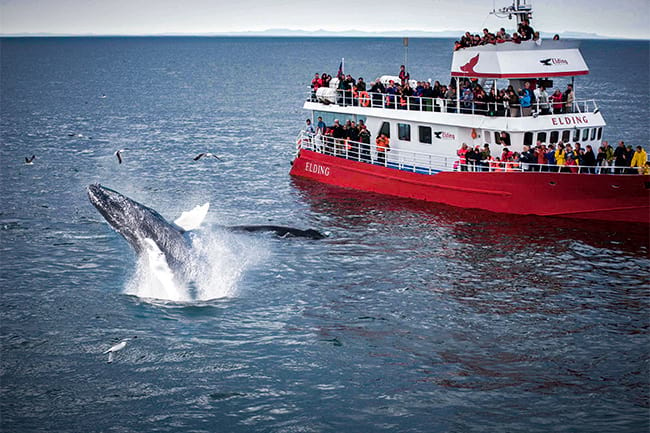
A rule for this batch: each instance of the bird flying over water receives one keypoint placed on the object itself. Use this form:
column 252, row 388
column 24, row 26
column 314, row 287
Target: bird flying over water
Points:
column 116, row 348
column 30, row 161
column 208, row 154
column 118, row 153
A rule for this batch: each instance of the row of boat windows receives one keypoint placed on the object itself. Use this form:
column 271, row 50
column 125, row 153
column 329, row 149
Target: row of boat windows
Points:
column 425, row 133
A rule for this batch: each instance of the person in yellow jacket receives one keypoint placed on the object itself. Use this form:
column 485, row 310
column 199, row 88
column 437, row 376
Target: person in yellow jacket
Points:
column 639, row 159
column 383, row 145
column 560, row 156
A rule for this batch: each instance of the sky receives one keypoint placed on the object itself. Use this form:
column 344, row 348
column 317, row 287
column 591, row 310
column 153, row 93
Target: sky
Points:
column 612, row 18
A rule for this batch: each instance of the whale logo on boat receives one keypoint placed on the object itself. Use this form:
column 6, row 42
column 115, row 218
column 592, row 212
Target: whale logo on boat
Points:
column 443, row 135
column 468, row 67
column 554, row 61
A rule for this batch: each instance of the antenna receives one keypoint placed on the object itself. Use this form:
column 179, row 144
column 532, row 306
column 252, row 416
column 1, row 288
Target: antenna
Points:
column 521, row 9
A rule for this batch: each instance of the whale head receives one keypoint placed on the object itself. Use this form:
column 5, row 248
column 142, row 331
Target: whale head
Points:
column 136, row 222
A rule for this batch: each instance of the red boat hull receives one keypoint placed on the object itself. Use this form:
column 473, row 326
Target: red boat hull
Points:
column 599, row 197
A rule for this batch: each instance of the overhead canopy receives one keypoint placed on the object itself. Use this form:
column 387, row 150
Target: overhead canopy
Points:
column 525, row 60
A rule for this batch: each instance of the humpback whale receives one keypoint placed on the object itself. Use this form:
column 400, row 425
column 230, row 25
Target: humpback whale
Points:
column 167, row 245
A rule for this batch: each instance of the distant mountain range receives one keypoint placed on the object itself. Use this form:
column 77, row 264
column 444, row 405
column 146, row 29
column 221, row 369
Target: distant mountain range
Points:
column 324, row 33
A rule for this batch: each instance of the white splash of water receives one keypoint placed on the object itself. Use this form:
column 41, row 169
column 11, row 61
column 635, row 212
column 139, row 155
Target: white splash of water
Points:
column 213, row 270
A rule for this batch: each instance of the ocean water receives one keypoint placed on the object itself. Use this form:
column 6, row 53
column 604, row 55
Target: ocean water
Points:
column 409, row 317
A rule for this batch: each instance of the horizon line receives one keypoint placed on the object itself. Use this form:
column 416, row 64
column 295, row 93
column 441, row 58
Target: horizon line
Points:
column 280, row 32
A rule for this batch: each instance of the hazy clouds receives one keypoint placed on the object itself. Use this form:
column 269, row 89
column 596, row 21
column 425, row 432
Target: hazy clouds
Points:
column 626, row 18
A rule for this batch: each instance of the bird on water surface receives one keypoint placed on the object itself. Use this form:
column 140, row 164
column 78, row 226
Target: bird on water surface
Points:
column 116, row 348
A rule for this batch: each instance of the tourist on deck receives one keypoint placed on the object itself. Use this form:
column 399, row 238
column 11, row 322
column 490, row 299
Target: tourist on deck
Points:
column 320, row 126
column 639, row 159
column 570, row 158
column 542, row 104
column 364, row 138
column 361, row 85
column 556, row 101
column 467, row 100
column 609, row 153
column 338, row 134
column 601, row 159
column 629, row 154
column 588, row 159
column 383, row 145
column 560, row 156
column 485, row 157
column 513, row 103
column 525, row 30
column 316, row 82
column 376, row 90
column 525, row 102
column 567, row 98
column 392, row 90
column 480, row 101
column 403, row 75
column 462, row 156
column 550, row 156
column 405, row 99
column 620, row 155
column 309, row 128
column 540, row 155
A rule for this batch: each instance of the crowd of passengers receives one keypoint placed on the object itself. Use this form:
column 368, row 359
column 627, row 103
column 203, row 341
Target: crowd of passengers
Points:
column 561, row 158
column 524, row 33
column 353, row 141
column 474, row 98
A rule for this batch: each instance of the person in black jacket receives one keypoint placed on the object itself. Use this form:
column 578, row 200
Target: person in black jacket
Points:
column 620, row 155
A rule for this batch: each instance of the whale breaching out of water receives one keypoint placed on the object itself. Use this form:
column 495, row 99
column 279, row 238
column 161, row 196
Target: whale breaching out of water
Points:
column 116, row 348
column 169, row 250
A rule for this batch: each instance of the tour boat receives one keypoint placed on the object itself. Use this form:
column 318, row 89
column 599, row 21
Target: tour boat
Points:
column 426, row 134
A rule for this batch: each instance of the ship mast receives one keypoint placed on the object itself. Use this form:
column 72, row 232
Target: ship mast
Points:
column 521, row 9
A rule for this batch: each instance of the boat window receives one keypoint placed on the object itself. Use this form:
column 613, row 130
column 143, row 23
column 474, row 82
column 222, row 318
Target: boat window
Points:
column 576, row 135
column 541, row 137
column 385, row 129
column 593, row 134
column 503, row 138
column 566, row 136
column 488, row 136
column 585, row 134
column 600, row 133
column 554, row 136
column 404, row 131
column 528, row 139
column 425, row 134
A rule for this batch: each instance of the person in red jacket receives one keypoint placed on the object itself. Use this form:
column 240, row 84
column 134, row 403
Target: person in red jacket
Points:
column 462, row 156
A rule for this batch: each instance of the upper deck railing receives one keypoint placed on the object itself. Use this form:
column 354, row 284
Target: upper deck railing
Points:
column 345, row 98
column 426, row 163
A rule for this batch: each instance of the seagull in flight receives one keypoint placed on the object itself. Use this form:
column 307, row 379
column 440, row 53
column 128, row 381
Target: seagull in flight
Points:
column 116, row 348
column 118, row 153
column 208, row 154
column 30, row 161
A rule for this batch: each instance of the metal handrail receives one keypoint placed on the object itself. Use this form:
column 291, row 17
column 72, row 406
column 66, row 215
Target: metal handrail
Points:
column 346, row 98
column 427, row 163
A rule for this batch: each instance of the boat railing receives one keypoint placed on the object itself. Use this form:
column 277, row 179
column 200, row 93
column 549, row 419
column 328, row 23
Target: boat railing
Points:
column 427, row 163
column 345, row 98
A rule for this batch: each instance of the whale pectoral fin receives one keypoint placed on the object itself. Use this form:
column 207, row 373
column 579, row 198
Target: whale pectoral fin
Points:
column 192, row 219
